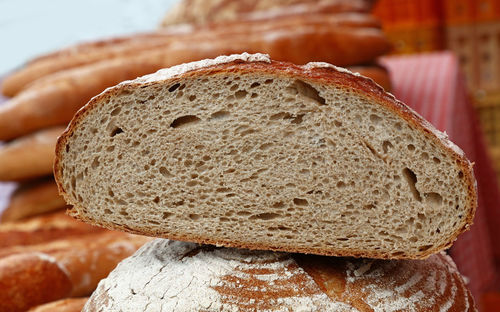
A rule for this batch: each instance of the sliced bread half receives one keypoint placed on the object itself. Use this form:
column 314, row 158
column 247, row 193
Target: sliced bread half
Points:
column 247, row 152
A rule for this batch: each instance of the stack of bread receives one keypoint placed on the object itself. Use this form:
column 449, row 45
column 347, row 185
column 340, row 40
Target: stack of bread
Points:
column 239, row 152
column 261, row 179
column 51, row 88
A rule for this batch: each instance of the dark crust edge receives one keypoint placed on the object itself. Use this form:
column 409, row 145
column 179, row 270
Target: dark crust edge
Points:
column 365, row 87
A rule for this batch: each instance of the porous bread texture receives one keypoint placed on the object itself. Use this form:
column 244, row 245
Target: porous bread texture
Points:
column 245, row 153
column 175, row 276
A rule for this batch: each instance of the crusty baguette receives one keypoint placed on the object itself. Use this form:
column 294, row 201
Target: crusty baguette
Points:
column 378, row 73
column 54, row 99
column 37, row 275
column 175, row 276
column 129, row 46
column 30, row 279
column 203, row 12
column 42, row 229
column 63, row 305
column 294, row 158
column 28, row 157
column 31, row 199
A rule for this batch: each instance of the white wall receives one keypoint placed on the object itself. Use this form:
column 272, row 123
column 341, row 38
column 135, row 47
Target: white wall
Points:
column 31, row 27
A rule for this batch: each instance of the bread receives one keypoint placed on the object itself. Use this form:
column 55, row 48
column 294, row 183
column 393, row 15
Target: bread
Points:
column 54, row 99
column 175, row 276
column 43, row 229
column 30, row 156
column 63, row 305
column 88, row 53
column 378, row 73
column 35, row 275
column 31, row 199
column 309, row 159
column 203, row 12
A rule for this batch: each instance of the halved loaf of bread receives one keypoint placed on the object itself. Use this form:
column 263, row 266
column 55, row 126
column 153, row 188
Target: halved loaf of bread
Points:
column 175, row 276
column 247, row 152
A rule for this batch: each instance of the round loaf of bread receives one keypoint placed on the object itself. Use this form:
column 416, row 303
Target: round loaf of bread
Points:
column 167, row 275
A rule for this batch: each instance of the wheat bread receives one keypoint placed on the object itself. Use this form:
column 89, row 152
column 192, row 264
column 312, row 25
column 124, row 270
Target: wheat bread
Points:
column 242, row 151
column 175, row 276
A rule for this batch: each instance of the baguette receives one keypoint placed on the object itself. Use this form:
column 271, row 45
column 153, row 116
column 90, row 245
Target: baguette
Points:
column 28, row 157
column 54, row 99
column 63, row 305
column 34, row 277
column 31, row 199
column 175, row 276
column 203, row 12
column 43, row 229
column 292, row 158
column 129, row 46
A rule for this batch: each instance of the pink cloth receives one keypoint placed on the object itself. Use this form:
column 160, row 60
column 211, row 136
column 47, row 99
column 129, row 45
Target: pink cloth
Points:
column 434, row 86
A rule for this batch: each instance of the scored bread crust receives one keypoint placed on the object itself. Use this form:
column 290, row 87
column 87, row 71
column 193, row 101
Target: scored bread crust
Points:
column 176, row 276
column 319, row 73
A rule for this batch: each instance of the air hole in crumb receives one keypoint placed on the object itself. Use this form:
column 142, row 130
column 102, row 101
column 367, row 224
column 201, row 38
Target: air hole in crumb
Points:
column 167, row 215
column 341, row 184
column 460, row 174
column 424, row 248
column 116, row 111
column 164, row 171
column 184, row 121
column 107, row 211
column 300, row 202
column 411, row 147
column 240, row 94
column 337, row 123
column 306, row 90
column 95, row 163
column 278, row 205
column 174, row 87
column 375, row 118
column 436, row 160
column 220, row 115
column 265, row 216
column 434, row 199
column 268, row 81
column 386, row 145
column 116, row 131
column 67, row 148
column 411, row 179
column 254, row 85
column 192, row 97
column 156, row 200
column 194, row 216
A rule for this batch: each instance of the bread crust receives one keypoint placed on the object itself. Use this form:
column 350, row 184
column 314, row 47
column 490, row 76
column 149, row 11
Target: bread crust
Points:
column 225, row 279
column 64, row 305
column 317, row 73
column 34, row 198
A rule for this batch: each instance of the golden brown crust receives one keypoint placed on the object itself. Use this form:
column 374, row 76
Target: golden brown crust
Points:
column 132, row 45
column 43, row 229
column 317, row 74
column 64, row 305
column 30, row 279
column 202, row 12
column 33, row 198
column 30, row 156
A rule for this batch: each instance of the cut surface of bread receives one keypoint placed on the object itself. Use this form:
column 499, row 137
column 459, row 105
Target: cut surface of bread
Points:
column 243, row 151
column 174, row 276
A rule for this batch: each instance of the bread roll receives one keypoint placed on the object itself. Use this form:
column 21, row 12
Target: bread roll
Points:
column 175, row 276
column 310, row 159
column 31, row 199
column 27, row 157
column 33, row 275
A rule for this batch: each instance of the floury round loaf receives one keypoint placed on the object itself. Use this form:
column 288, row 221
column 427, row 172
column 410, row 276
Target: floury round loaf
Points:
column 242, row 151
column 175, row 276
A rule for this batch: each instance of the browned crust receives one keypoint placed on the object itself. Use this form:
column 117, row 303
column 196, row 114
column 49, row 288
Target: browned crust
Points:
column 365, row 87
column 64, row 305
